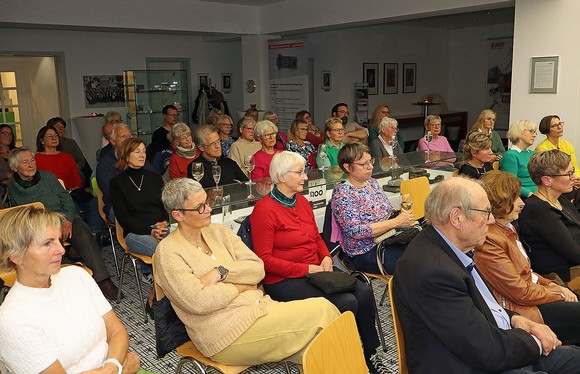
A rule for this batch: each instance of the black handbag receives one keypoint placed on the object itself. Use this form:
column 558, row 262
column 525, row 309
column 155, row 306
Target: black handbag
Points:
column 170, row 332
column 332, row 281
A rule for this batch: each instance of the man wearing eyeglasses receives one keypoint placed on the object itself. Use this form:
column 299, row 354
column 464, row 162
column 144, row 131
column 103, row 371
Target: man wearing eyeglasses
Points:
column 160, row 138
column 207, row 140
column 450, row 319
column 353, row 132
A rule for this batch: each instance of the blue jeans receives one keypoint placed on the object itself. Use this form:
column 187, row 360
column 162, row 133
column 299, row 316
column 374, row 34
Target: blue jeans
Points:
column 367, row 262
column 143, row 245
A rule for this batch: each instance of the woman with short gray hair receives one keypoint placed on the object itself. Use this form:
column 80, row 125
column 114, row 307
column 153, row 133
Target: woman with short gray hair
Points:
column 265, row 132
column 386, row 145
column 185, row 150
column 515, row 161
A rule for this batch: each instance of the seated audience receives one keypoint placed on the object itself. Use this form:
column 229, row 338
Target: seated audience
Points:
column 29, row 185
column 50, row 158
column 503, row 261
column 334, row 130
column 439, row 142
column 515, row 161
column 71, row 147
column 315, row 135
column 225, row 126
column 252, row 113
column 363, row 212
column 549, row 223
column 485, row 123
column 54, row 320
column 160, row 138
column 477, row 155
column 185, row 151
column 211, row 279
column 6, row 145
column 246, row 145
column 281, row 139
column 298, row 143
column 381, row 111
column 291, row 248
column 111, row 118
column 208, row 141
column 213, row 116
column 265, row 132
column 353, row 132
column 450, row 320
column 386, row 145
column 136, row 194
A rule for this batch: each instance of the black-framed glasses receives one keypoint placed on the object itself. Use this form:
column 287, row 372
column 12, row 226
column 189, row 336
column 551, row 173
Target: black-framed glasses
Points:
column 568, row 174
column 337, row 130
column 488, row 211
column 200, row 208
column 559, row 124
column 370, row 163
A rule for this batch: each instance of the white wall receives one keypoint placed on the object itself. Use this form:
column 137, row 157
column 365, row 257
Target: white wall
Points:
column 547, row 28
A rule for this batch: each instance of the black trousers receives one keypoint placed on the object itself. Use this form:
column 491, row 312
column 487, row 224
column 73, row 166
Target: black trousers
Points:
column 562, row 360
column 84, row 242
column 564, row 319
column 359, row 302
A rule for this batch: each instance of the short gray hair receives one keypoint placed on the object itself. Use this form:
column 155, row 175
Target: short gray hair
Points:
column 178, row 130
column 13, row 156
column 263, row 126
column 110, row 115
column 176, row 191
column 113, row 134
column 283, row 162
column 432, row 118
column 388, row 121
column 452, row 193
column 517, row 129
column 245, row 121
column 269, row 114
column 203, row 132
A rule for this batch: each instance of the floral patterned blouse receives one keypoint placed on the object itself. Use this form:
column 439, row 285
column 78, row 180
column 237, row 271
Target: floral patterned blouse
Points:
column 226, row 145
column 355, row 209
column 305, row 151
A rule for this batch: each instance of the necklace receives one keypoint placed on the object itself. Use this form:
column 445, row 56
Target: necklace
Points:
column 555, row 205
column 134, row 184
column 198, row 245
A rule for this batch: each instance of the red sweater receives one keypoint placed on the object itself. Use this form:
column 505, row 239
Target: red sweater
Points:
column 63, row 166
column 286, row 239
column 262, row 161
column 178, row 165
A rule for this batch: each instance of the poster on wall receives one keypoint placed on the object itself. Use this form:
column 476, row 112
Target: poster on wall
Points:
column 499, row 80
column 103, row 91
column 288, row 62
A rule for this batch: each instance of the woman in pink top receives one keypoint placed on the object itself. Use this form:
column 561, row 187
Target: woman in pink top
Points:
column 439, row 143
column 265, row 131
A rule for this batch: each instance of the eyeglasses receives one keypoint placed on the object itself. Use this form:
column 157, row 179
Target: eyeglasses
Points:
column 488, row 211
column 213, row 144
column 200, row 208
column 227, row 124
column 172, row 115
column 531, row 131
column 297, row 172
column 393, row 128
column 6, row 133
column 569, row 174
column 337, row 130
column 248, row 128
column 386, row 112
column 269, row 136
column 51, row 136
column 185, row 137
column 435, row 124
column 559, row 124
column 28, row 162
column 299, row 129
column 343, row 111
column 370, row 163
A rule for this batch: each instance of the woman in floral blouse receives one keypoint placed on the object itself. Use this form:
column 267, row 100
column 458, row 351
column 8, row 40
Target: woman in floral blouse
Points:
column 298, row 143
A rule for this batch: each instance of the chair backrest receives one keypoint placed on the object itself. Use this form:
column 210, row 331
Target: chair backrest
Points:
column 419, row 190
column 495, row 165
column 333, row 247
column 398, row 333
column 101, row 205
column 245, row 233
column 336, row 349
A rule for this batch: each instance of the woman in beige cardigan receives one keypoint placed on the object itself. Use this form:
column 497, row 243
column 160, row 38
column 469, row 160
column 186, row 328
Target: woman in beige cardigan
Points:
column 211, row 279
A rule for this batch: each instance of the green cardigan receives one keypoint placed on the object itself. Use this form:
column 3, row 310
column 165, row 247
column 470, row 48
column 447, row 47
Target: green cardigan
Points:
column 515, row 162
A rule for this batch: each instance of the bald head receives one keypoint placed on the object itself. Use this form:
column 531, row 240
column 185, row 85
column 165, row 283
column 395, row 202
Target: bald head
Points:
column 457, row 192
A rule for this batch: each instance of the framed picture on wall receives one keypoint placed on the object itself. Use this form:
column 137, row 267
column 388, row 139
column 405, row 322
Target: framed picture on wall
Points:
column 409, row 78
column 203, row 79
column 226, row 82
column 371, row 77
column 326, row 80
column 390, row 78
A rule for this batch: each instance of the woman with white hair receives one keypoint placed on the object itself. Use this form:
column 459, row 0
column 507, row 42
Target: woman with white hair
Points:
column 265, row 131
column 289, row 244
column 281, row 139
column 211, row 279
column 384, row 146
column 185, row 150
column 515, row 160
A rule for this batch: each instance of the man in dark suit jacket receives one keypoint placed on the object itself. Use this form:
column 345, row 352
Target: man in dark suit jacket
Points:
column 450, row 320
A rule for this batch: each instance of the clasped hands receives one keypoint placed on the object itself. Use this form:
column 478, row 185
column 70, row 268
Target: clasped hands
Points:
column 548, row 340
column 159, row 230
column 325, row 265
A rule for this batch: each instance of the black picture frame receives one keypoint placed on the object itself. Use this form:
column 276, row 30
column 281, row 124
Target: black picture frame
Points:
column 409, row 78
column 390, row 78
column 371, row 77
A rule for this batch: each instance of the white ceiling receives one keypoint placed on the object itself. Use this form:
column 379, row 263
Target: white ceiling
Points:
column 245, row 2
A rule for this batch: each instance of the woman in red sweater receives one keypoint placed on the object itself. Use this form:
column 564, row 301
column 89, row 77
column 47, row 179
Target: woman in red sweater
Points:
column 290, row 245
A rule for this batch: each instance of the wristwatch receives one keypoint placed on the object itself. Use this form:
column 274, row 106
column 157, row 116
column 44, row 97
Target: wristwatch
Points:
column 115, row 362
column 223, row 272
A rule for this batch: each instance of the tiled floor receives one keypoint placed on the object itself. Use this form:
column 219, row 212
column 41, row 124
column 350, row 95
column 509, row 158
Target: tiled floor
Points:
column 142, row 335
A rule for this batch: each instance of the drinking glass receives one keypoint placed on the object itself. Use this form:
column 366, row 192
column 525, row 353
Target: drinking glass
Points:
column 323, row 154
column 394, row 144
column 406, row 202
column 197, row 170
column 249, row 164
column 216, row 171
column 428, row 139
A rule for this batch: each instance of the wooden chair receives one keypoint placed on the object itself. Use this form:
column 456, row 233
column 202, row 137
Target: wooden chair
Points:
column 495, row 165
column 419, row 189
column 133, row 257
column 398, row 334
column 336, row 349
column 110, row 227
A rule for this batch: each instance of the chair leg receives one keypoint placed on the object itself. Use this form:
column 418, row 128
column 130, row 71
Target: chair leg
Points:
column 287, row 367
column 185, row 360
column 384, row 295
column 367, row 280
column 121, row 277
column 138, row 281
column 113, row 249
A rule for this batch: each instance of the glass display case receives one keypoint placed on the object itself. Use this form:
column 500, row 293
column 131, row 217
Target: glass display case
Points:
column 147, row 91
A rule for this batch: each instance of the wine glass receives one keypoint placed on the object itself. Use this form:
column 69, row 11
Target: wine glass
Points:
column 406, row 202
column 249, row 164
column 197, row 170
column 216, row 171
column 323, row 154
column 428, row 139
column 393, row 143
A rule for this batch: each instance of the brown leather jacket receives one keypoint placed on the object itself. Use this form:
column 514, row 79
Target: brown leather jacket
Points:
column 509, row 275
